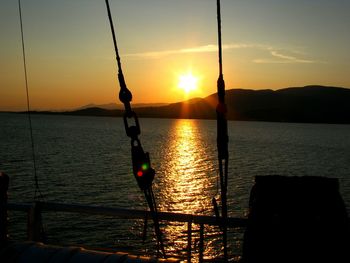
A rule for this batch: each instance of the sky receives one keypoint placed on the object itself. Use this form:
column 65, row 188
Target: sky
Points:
column 267, row 44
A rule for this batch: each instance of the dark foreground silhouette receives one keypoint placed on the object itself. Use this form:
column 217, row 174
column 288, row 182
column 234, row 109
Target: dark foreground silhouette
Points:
column 296, row 219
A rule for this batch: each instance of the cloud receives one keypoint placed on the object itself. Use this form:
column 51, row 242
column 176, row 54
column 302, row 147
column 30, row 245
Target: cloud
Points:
column 276, row 55
column 198, row 49
column 279, row 58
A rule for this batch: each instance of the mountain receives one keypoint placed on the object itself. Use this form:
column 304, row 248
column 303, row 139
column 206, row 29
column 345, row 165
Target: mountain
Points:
column 108, row 106
column 115, row 106
column 313, row 104
column 307, row 104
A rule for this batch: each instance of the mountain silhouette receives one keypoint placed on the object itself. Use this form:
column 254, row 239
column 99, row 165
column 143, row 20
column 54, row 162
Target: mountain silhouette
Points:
column 117, row 106
column 312, row 104
column 299, row 104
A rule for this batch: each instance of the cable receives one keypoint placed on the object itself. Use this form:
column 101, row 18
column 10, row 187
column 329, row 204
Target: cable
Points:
column 37, row 193
column 37, row 188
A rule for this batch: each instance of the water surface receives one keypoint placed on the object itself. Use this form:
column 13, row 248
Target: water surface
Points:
column 86, row 160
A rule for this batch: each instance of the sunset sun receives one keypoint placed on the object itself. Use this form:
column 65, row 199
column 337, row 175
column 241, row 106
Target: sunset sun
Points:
column 188, row 82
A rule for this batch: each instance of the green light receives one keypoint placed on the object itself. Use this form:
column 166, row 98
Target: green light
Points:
column 145, row 166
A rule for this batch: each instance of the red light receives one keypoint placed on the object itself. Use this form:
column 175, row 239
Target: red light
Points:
column 139, row 173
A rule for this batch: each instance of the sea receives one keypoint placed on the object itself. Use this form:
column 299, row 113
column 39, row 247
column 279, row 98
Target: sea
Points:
column 86, row 160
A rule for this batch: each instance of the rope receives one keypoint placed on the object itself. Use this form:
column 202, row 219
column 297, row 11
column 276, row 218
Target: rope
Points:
column 222, row 136
column 152, row 203
column 219, row 35
column 37, row 193
column 113, row 36
column 142, row 170
column 37, row 188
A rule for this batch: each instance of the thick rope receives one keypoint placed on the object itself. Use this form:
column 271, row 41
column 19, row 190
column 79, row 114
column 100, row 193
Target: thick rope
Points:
column 114, row 37
column 219, row 36
column 125, row 96
column 222, row 136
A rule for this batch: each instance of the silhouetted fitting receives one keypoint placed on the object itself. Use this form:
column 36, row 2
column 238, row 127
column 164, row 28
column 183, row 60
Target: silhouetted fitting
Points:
column 125, row 95
column 142, row 169
column 222, row 136
column 132, row 131
column 221, row 108
column 221, row 88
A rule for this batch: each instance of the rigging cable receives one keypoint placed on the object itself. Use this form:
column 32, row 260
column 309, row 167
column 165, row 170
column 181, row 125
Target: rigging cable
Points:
column 37, row 193
column 222, row 137
column 36, row 180
column 142, row 169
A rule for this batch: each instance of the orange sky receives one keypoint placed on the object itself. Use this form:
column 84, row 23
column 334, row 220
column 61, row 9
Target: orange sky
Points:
column 70, row 55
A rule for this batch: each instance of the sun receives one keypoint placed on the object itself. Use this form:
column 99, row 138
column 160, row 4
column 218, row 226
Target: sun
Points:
column 188, row 82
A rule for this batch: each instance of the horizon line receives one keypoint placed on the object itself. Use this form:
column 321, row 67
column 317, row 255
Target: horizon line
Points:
column 139, row 104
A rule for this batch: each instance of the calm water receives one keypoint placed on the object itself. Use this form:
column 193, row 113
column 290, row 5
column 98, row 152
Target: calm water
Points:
column 86, row 160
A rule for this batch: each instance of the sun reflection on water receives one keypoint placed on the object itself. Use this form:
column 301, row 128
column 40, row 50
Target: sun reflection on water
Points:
column 188, row 179
column 188, row 174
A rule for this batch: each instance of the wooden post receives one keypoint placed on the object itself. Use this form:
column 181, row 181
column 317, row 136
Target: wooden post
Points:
column 189, row 240
column 4, row 183
column 201, row 242
column 34, row 223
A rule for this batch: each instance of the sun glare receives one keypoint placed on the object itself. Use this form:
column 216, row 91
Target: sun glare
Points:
column 188, row 82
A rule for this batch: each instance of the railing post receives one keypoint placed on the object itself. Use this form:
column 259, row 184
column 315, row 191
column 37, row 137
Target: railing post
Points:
column 34, row 223
column 201, row 242
column 4, row 183
column 189, row 240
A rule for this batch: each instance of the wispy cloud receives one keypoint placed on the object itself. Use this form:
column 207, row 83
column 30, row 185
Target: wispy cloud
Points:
column 279, row 58
column 273, row 54
column 197, row 49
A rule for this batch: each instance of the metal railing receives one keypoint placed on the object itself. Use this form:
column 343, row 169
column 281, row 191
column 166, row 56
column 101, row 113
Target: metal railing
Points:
column 34, row 219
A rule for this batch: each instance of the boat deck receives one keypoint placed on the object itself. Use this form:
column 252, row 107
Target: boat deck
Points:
column 27, row 252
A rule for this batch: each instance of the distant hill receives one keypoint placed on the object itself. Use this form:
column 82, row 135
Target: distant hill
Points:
column 298, row 104
column 307, row 104
column 118, row 106
column 314, row 104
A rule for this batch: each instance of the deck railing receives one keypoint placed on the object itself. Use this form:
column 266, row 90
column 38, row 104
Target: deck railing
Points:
column 34, row 219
